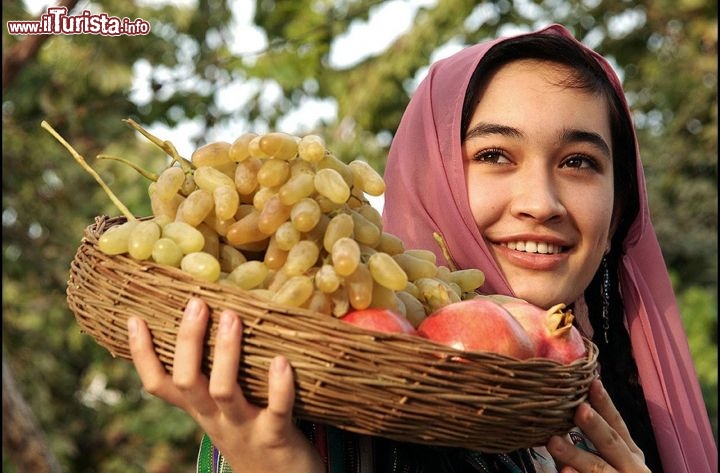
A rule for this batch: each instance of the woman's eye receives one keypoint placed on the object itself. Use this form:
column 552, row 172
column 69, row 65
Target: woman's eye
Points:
column 580, row 162
column 492, row 156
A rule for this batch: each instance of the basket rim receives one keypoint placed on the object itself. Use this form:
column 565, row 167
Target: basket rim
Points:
column 455, row 398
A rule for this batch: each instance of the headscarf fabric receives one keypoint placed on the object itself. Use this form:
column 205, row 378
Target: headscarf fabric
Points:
column 426, row 193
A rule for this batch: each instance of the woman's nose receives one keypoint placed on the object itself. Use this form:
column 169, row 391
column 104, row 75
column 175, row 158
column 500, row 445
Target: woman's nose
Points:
column 536, row 196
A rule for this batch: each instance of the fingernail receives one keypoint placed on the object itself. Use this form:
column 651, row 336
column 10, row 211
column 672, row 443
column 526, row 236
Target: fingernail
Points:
column 132, row 326
column 279, row 365
column 226, row 322
column 192, row 310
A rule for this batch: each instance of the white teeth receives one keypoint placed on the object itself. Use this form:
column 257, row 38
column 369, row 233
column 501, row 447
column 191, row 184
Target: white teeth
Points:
column 540, row 247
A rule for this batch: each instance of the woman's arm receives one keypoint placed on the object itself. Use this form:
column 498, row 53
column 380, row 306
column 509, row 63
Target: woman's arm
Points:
column 252, row 439
column 602, row 424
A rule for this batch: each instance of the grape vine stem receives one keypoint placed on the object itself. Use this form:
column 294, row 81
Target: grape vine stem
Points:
column 78, row 157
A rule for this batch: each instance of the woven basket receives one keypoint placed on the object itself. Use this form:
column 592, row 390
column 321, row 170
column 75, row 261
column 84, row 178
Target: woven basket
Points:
column 396, row 386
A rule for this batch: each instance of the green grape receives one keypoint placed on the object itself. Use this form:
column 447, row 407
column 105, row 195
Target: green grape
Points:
column 299, row 186
column 426, row 255
column 415, row 268
column 262, row 195
column 212, row 154
column 468, row 279
column 345, row 255
column 273, row 173
column 294, row 292
column 239, row 148
column 201, row 265
column 311, row 148
column 195, row 208
column 385, row 298
column 305, row 214
column 331, row 162
column 370, row 213
column 255, row 150
column 367, row 178
column 327, row 279
column 169, row 182
column 300, row 166
column 249, row 275
column 340, row 302
column 326, row 205
column 187, row 237
column 273, row 214
column 114, row 241
column 341, row 225
column 387, row 272
column 275, row 257
column 188, row 185
column 246, row 175
column 208, row 179
column 390, row 244
column 166, row 251
column 230, row 258
column 159, row 206
column 317, row 234
column 319, row 302
column 226, row 201
column 331, row 184
column 279, row 145
column 301, row 257
column 365, row 231
column 414, row 309
column 435, row 293
column 212, row 240
column 245, row 230
column 359, row 287
column 142, row 238
column 287, row 236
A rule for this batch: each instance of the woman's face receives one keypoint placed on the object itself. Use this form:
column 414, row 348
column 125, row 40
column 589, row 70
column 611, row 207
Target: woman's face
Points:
column 538, row 165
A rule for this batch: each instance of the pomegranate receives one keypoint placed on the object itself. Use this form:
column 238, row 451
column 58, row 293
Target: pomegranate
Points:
column 478, row 325
column 379, row 320
column 552, row 330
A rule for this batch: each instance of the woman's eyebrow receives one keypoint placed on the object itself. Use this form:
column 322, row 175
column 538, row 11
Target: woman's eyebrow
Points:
column 566, row 136
column 482, row 128
column 582, row 136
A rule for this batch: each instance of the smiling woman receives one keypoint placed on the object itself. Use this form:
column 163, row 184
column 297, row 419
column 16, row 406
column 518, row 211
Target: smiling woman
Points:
column 521, row 153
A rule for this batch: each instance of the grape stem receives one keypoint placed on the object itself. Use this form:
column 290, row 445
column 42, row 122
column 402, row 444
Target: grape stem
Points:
column 143, row 172
column 124, row 210
column 164, row 145
column 445, row 251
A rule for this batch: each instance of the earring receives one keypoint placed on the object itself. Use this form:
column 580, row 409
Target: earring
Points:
column 605, row 298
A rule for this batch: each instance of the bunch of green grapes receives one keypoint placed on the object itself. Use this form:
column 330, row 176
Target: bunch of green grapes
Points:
column 282, row 217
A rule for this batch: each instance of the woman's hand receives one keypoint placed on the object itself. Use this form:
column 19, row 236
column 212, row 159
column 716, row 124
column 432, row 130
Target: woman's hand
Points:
column 602, row 424
column 252, row 439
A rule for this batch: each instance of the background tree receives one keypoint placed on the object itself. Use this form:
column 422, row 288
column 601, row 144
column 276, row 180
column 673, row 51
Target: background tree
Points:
column 90, row 406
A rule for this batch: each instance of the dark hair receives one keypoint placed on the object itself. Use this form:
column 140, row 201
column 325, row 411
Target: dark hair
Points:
column 619, row 371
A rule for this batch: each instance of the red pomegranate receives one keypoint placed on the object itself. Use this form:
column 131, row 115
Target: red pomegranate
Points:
column 478, row 325
column 552, row 330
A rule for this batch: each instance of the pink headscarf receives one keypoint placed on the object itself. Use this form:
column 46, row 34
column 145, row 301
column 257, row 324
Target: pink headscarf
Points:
column 426, row 193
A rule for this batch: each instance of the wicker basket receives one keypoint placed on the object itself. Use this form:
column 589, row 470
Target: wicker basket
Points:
column 396, row 386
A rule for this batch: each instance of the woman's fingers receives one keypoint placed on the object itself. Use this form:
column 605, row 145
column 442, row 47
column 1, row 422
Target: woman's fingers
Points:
column 153, row 375
column 603, row 405
column 281, row 392
column 187, row 375
column 223, row 387
column 607, row 431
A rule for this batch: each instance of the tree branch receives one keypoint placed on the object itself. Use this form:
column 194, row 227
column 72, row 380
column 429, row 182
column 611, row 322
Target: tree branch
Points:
column 22, row 52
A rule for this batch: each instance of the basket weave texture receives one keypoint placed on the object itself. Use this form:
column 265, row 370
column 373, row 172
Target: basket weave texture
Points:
column 396, row 386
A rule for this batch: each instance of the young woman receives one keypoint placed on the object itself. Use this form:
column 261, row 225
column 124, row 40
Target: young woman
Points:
column 521, row 152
